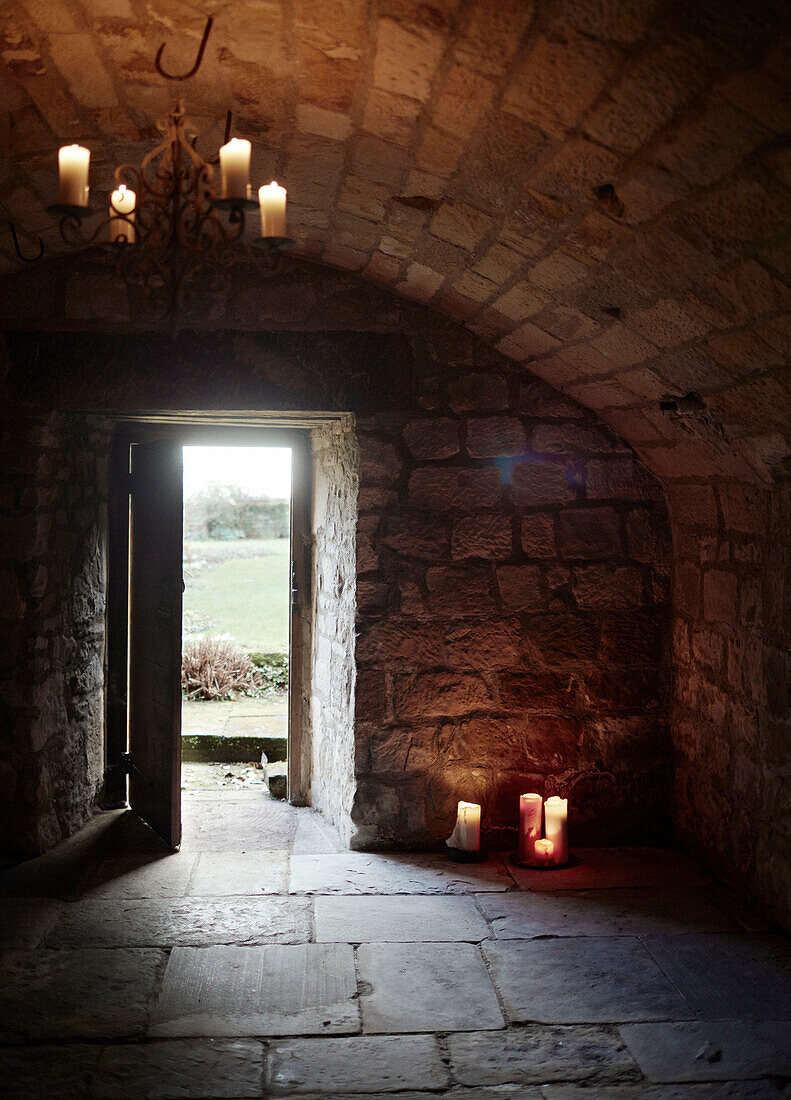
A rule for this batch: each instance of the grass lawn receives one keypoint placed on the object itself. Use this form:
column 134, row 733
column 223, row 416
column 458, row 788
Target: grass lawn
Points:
column 239, row 588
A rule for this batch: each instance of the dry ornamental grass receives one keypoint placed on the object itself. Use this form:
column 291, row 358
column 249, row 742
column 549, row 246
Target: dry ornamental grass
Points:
column 215, row 668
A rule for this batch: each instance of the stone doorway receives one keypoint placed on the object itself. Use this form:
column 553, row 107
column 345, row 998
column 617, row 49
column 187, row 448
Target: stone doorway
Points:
column 321, row 610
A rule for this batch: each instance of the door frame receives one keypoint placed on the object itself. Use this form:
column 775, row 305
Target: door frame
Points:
column 205, row 429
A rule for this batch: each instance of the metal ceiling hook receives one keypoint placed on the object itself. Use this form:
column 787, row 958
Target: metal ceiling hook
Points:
column 198, row 59
column 18, row 250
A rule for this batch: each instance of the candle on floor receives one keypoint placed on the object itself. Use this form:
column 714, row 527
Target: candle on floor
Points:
column 555, row 816
column 73, row 161
column 466, row 833
column 272, row 201
column 122, row 201
column 530, row 806
column 544, row 851
column 235, row 168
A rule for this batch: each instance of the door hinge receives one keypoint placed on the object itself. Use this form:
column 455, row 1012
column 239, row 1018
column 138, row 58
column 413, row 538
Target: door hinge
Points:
column 294, row 590
column 128, row 767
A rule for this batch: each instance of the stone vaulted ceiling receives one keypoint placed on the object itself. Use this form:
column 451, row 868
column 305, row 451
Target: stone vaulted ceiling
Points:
column 600, row 188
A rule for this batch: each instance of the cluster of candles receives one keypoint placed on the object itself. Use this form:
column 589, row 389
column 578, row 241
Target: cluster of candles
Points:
column 73, row 164
column 548, row 850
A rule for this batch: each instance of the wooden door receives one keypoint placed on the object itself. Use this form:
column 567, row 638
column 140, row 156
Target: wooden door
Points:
column 155, row 587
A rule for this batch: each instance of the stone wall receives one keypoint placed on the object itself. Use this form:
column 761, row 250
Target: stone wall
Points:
column 332, row 681
column 513, row 557
column 52, row 578
column 732, row 661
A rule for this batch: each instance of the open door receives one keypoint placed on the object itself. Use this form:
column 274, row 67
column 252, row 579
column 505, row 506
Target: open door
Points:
column 155, row 587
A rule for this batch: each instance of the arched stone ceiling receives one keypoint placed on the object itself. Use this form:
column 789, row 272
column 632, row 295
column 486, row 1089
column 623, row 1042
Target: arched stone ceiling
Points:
column 600, row 188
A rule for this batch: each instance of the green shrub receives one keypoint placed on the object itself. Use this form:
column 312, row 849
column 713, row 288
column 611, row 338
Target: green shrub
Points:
column 271, row 670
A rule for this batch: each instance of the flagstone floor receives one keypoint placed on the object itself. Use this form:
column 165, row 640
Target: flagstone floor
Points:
column 262, row 960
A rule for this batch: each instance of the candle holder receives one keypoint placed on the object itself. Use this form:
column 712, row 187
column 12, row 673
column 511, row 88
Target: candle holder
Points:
column 461, row 855
column 273, row 244
column 531, row 865
column 235, row 204
column 62, row 210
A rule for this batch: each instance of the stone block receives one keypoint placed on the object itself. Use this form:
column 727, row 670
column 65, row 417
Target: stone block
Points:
column 460, row 224
column 720, row 593
column 454, row 489
column 619, row 479
column 495, row 437
column 432, row 439
column 364, row 1065
column 416, row 537
column 538, row 1054
column 589, row 533
column 406, row 57
column 703, row 1051
column 536, row 689
column 439, row 694
column 608, row 588
column 389, row 873
column 565, row 637
column 370, row 695
column 539, row 483
column 583, row 980
column 422, row 987
column 222, row 874
column 379, row 461
column 458, row 591
column 182, row 1067
column 422, row 918
column 276, row 990
column 569, row 439
column 538, row 536
column 483, row 536
column 403, row 641
column 486, row 645
column 478, row 393
column 522, row 587
column 83, row 994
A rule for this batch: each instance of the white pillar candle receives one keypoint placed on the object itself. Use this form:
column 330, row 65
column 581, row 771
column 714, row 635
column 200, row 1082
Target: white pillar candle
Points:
column 73, row 161
column 122, row 201
column 235, row 168
column 544, row 851
column 466, row 834
column 555, row 815
column 272, row 200
column 530, row 806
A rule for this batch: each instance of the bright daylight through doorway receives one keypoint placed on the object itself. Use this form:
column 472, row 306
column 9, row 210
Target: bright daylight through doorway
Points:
column 235, row 621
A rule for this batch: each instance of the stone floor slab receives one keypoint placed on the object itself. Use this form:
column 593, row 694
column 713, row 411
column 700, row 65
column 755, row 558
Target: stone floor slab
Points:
column 88, row 994
column 397, row 919
column 194, row 1068
column 627, row 912
column 414, row 987
column 277, row 990
column 732, row 1090
column 494, row 1092
column 242, row 826
column 376, row 873
column 221, row 874
column 581, row 980
column 147, row 876
column 186, row 921
column 539, row 1054
column 711, row 1051
column 25, row 921
column 314, row 835
column 729, row 977
column 615, row 868
column 360, row 1064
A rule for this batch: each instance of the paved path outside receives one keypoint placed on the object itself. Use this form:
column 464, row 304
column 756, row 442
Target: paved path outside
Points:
column 264, row 960
column 264, row 717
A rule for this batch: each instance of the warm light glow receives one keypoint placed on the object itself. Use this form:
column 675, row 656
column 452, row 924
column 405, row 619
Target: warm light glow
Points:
column 544, row 851
column 122, row 201
column 530, row 807
column 272, row 201
column 73, row 162
column 555, row 826
column 235, row 169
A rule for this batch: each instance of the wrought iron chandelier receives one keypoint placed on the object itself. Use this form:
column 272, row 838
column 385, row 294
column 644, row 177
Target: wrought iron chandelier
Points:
column 169, row 226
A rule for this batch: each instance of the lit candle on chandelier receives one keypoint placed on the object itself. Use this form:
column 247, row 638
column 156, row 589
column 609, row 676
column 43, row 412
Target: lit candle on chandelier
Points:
column 235, row 169
column 272, row 200
column 73, row 161
column 122, row 201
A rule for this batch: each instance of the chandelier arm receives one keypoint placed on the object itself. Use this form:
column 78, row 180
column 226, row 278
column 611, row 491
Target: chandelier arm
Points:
column 18, row 250
column 198, row 59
